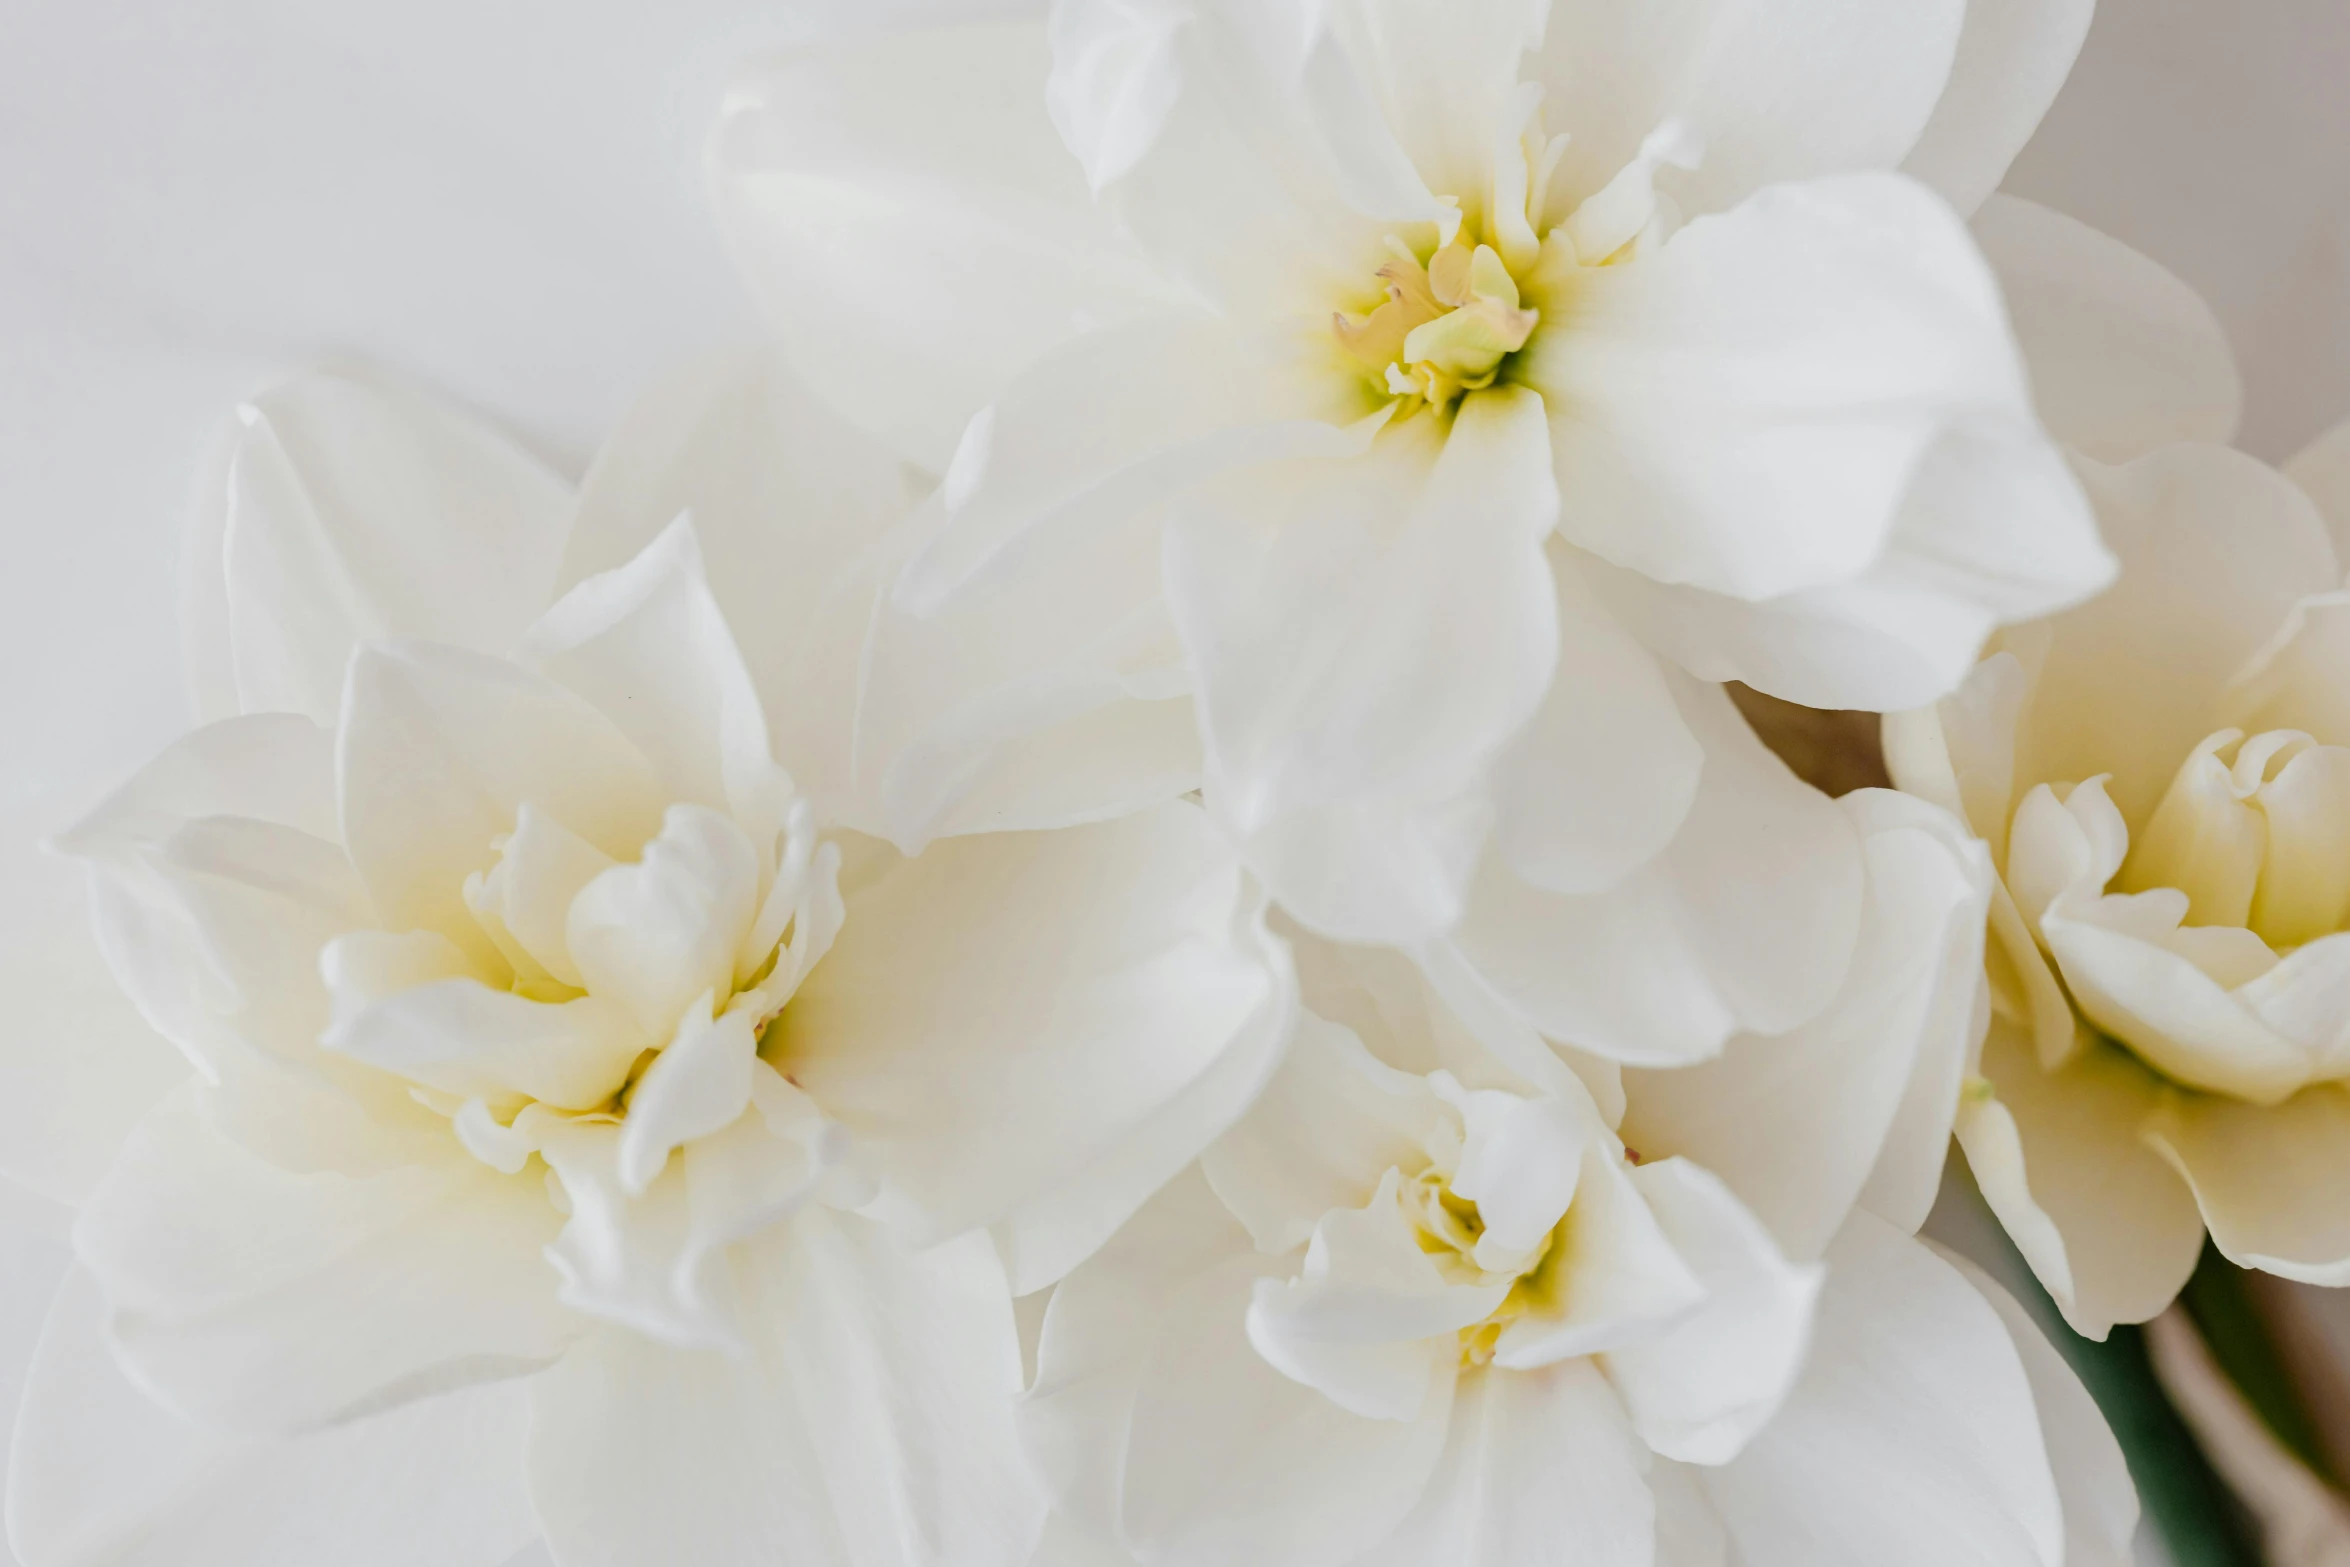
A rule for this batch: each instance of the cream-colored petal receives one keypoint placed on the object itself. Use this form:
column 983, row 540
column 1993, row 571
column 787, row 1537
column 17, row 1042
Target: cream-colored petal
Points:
column 2322, row 469
column 2269, row 1180
column 2132, row 679
column 2110, row 1231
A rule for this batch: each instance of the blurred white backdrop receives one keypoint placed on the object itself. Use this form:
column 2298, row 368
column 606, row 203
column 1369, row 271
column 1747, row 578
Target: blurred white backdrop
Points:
column 504, row 201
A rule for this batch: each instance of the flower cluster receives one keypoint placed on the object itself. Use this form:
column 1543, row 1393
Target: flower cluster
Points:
column 1111, row 908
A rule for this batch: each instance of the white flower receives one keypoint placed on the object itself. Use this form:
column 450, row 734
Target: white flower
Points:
column 1424, row 1305
column 2163, row 776
column 1457, row 388
column 558, row 1067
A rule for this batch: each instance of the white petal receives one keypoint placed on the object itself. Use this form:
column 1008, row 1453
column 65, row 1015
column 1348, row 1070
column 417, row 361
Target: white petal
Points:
column 1237, row 142
column 261, row 1298
column 102, row 1477
column 2092, row 1482
column 1377, row 627
column 1057, row 698
column 1329, row 1124
column 1747, row 919
column 651, row 936
column 2130, row 679
column 1392, row 871
column 2124, row 357
column 1796, row 1123
column 2013, row 55
column 909, row 221
column 440, row 748
column 359, row 511
column 1097, row 434
column 1228, row 1459
column 647, row 645
column 1912, row 1436
column 868, row 1424
column 2061, row 1158
column 462, row 1037
column 1044, row 1238
column 1536, row 1459
column 1744, row 410
column 1701, row 1389
column 1993, row 529
column 2322, row 469
column 1002, row 1014
column 698, row 1085
column 1371, row 1323
column 1096, row 1337
column 1821, row 87
column 78, row 1062
column 1604, row 773
column 2293, row 682
column 785, row 497
column 542, row 868
column 2268, row 1179
column 1613, row 1277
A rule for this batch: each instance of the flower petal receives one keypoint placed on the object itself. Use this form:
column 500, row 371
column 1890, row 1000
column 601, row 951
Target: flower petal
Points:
column 1098, row 433
column 1229, row 1459
column 1604, row 773
column 785, row 496
column 2109, row 1231
column 1746, row 920
column 1239, row 142
column 1330, row 1123
column 254, row 1297
column 1393, row 871
column 652, row 935
column 1534, row 1458
column 1744, row 410
column 79, row 1063
column 1819, row 87
column 359, row 510
column 1886, row 1453
column 2322, row 469
column 2124, row 357
column 909, row 221
column 1095, row 1342
column 1798, row 1123
column 462, row 1037
column 1700, row 1390
column 1377, row 627
column 439, row 750
column 647, row 645
column 1371, row 1323
column 1001, row 1015
column 2092, row 1482
column 102, row 1477
column 1058, row 697
column 2012, row 57
column 1992, row 529
column 2131, row 679
column 2267, row 1178
column 868, row 1423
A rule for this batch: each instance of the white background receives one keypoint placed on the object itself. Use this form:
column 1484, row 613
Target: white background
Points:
column 503, row 200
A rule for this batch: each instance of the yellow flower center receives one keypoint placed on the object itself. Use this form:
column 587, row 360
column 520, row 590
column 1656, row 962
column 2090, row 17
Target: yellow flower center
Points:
column 1445, row 327
column 1449, row 1228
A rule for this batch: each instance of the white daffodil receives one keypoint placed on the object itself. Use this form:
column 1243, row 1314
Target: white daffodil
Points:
column 1424, row 1304
column 2161, row 777
column 583, row 1136
column 1421, row 404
